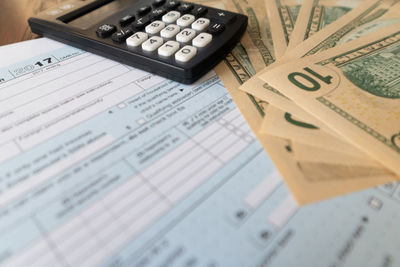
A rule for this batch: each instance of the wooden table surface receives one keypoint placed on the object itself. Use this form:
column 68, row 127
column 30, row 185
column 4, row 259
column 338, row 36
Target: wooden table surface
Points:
column 14, row 16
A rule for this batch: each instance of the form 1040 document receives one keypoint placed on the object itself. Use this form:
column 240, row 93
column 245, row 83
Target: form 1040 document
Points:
column 102, row 164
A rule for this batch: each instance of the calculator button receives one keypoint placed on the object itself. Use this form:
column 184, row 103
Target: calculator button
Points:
column 140, row 23
column 106, row 30
column 185, row 20
column 185, row 8
column 199, row 11
column 168, row 49
column 170, row 31
column 200, row 24
column 216, row 28
column 121, row 36
column 137, row 39
column 153, row 43
column 202, row 40
column 171, row 5
column 157, row 13
column 155, row 27
column 171, row 17
column 126, row 20
column 185, row 35
column 223, row 16
column 143, row 10
column 186, row 53
column 158, row 3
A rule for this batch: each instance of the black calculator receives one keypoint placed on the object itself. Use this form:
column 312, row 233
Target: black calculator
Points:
column 178, row 40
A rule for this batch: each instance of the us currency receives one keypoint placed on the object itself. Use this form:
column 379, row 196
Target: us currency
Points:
column 257, row 36
column 234, row 71
column 260, row 50
column 314, row 181
column 309, row 153
column 315, row 15
column 308, row 181
column 283, row 124
column 368, row 17
column 355, row 89
column 282, row 16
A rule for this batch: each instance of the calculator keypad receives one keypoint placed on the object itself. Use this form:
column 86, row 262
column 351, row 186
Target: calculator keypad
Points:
column 170, row 31
column 140, row 23
column 199, row 11
column 223, row 17
column 202, row 40
column 137, row 39
column 157, row 13
column 152, row 43
column 216, row 28
column 155, row 27
column 167, row 27
column 168, row 49
column 126, row 20
column 201, row 24
column 186, row 35
column 186, row 53
column 185, row 20
column 185, row 8
column 170, row 5
column 106, row 30
column 143, row 10
column 171, row 17
column 121, row 36
column 158, row 3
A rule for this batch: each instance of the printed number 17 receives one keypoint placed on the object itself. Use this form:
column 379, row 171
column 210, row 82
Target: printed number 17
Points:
column 46, row 61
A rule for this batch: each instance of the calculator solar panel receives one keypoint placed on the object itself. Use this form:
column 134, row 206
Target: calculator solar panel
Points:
column 178, row 40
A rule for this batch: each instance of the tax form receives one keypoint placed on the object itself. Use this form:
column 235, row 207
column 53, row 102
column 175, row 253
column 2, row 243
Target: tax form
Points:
column 102, row 164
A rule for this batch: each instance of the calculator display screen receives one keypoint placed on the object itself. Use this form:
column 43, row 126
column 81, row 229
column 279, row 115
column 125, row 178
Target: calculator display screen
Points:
column 94, row 15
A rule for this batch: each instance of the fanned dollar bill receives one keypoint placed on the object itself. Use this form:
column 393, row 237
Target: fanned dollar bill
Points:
column 238, row 68
column 308, row 181
column 315, row 15
column 260, row 49
column 368, row 17
column 309, row 153
column 282, row 16
column 355, row 89
column 283, row 124
column 313, row 181
column 374, row 15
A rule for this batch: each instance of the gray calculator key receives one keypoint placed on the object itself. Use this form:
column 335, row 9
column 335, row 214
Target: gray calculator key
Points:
column 185, row 20
column 137, row 39
column 168, row 49
column 152, row 44
column 171, row 17
column 200, row 24
column 186, row 53
column 170, row 31
column 202, row 40
column 155, row 27
column 186, row 35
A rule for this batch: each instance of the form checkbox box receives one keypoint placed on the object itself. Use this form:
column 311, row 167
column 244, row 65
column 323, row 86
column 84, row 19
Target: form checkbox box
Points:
column 230, row 127
column 375, row 203
column 248, row 139
column 141, row 121
column 122, row 105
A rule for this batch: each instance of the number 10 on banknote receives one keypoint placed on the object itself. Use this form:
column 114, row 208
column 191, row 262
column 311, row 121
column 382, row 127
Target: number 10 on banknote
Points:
column 355, row 89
